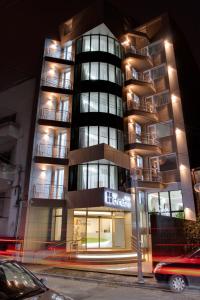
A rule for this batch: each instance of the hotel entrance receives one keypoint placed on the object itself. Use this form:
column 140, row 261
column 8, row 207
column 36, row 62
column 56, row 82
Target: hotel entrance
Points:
column 99, row 229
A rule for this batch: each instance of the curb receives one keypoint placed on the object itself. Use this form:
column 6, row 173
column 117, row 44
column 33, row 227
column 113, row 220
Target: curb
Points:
column 120, row 283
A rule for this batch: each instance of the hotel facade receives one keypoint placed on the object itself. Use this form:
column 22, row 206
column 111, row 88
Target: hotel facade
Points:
column 107, row 131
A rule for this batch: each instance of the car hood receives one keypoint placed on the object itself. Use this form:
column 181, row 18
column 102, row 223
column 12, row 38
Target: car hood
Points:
column 47, row 295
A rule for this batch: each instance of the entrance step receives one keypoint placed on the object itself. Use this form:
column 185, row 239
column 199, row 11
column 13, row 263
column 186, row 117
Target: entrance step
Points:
column 96, row 257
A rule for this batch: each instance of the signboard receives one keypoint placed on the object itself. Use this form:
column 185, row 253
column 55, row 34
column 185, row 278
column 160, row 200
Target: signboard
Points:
column 117, row 199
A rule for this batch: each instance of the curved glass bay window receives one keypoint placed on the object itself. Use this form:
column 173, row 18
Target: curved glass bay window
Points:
column 96, row 175
column 101, row 102
column 101, row 71
column 98, row 42
column 93, row 135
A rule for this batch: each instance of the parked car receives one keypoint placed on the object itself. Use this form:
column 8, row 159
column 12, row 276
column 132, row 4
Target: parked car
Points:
column 183, row 272
column 17, row 282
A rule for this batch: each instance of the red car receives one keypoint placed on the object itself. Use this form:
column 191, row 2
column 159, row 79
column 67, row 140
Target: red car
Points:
column 181, row 273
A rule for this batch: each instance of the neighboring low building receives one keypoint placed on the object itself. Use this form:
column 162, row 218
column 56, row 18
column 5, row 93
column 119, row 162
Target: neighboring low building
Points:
column 16, row 105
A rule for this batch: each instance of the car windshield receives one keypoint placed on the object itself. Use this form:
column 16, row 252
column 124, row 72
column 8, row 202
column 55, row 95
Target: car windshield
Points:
column 16, row 282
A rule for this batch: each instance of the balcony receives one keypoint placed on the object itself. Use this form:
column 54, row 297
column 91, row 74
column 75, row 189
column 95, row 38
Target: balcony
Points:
column 139, row 58
column 141, row 111
column 55, row 115
column 139, row 83
column 54, row 151
column 145, row 179
column 59, row 54
column 50, row 83
column 48, row 191
column 143, row 144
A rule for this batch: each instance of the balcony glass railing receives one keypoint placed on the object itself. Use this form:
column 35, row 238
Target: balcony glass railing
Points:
column 143, row 139
column 53, row 151
column 55, row 115
column 48, row 191
column 152, row 175
column 53, row 81
column 145, row 77
column 147, row 107
column 143, row 51
column 59, row 53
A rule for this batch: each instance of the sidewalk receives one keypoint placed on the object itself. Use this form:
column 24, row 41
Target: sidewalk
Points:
column 99, row 276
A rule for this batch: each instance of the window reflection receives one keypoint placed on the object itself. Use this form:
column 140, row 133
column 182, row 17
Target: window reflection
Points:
column 102, row 102
column 168, row 203
column 94, row 135
column 101, row 71
column 98, row 42
column 97, row 175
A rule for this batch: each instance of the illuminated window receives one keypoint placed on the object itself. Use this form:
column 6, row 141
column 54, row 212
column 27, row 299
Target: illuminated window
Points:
column 56, row 224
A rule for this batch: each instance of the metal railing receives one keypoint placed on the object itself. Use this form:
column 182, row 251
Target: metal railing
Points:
column 59, row 53
column 56, row 115
column 53, row 81
column 55, row 151
column 48, row 191
column 147, row 139
column 147, row 107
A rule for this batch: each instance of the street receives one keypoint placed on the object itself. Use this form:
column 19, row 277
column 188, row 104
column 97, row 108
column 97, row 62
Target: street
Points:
column 83, row 289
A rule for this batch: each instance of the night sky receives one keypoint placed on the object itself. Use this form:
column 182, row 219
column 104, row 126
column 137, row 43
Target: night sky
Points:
column 25, row 23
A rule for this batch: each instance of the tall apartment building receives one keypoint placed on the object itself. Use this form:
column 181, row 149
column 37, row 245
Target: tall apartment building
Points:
column 108, row 124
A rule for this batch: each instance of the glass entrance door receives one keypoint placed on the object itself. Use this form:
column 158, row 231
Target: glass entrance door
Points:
column 92, row 232
column 105, row 233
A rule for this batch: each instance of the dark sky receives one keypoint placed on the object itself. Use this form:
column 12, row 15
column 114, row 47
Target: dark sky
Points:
column 25, row 23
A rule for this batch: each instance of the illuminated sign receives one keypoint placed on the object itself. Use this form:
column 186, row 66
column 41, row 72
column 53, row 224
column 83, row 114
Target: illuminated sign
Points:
column 117, row 199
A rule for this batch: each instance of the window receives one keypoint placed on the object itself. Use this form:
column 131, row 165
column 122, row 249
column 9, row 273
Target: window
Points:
column 103, row 43
column 101, row 71
column 176, row 200
column 86, row 44
column 112, row 73
column 113, row 178
column 168, row 203
column 92, row 176
column 82, row 177
column 112, row 104
column 93, row 102
column 111, row 45
column 85, row 71
column 95, row 175
column 83, row 137
column 94, row 135
column 153, row 203
column 56, row 224
column 95, row 43
column 103, row 135
column 164, row 203
column 103, row 175
column 113, row 137
column 98, row 42
column 102, row 102
column 84, row 103
column 94, row 71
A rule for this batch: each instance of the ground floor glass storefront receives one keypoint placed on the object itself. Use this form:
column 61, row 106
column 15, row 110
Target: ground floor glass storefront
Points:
column 100, row 229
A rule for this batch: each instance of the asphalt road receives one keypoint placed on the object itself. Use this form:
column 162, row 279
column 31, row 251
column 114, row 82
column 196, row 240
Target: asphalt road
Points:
column 82, row 289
